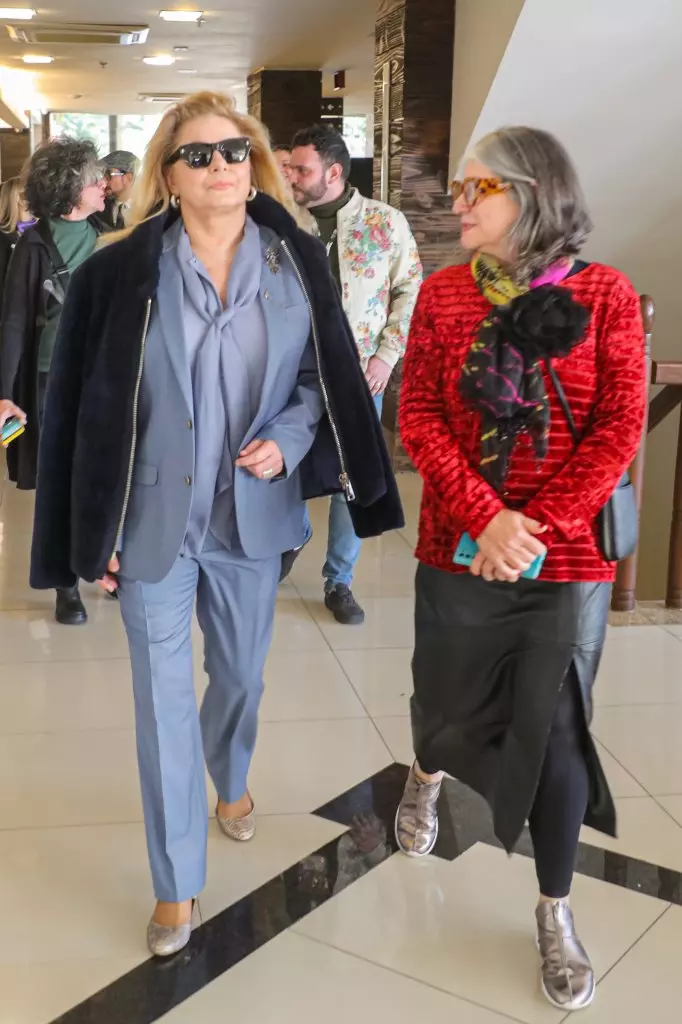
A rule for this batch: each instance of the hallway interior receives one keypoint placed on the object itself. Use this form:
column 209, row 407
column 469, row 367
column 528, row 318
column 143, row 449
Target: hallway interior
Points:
column 318, row 916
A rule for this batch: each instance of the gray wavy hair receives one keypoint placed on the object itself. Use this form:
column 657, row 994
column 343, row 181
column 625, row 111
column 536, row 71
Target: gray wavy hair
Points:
column 553, row 221
column 57, row 173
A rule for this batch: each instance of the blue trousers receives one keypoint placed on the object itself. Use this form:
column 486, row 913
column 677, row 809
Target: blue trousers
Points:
column 235, row 601
column 343, row 546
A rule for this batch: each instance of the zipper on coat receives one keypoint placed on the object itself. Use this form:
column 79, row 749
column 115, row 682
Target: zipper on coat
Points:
column 344, row 479
column 133, row 446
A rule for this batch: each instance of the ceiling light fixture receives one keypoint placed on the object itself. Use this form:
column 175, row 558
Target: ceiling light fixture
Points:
column 160, row 61
column 36, row 58
column 181, row 15
column 17, row 13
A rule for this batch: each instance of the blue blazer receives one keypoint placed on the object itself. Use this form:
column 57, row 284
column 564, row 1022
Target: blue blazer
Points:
column 90, row 420
column 269, row 514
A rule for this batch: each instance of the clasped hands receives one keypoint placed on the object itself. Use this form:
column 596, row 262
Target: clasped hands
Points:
column 508, row 547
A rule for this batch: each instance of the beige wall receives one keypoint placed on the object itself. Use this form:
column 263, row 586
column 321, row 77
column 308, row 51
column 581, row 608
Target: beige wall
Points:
column 606, row 77
column 482, row 32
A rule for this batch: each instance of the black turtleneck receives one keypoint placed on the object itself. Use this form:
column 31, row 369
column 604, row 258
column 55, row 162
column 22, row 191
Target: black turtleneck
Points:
column 326, row 217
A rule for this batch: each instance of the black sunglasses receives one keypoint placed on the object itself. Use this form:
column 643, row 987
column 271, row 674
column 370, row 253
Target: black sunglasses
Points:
column 200, row 154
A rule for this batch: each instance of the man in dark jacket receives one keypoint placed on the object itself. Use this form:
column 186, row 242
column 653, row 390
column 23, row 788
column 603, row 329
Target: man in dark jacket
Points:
column 65, row 190
column 120, row 170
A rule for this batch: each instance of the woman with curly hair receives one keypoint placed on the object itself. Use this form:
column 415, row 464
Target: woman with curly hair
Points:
column 65, row 190
column 523, row 403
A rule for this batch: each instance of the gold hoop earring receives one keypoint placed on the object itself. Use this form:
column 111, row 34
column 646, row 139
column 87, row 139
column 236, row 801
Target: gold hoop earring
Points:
column 253, row 192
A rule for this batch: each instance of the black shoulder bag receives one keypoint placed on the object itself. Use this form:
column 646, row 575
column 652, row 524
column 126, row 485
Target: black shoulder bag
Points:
column 618, row 521
column 60, row 271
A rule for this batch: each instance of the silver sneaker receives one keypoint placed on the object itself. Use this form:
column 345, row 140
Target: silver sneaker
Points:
column 242, row 830
column 163, row 942
column 567, row 974
column 416, row 823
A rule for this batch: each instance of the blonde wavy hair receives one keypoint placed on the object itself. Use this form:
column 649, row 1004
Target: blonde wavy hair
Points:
column 11, row 196
column 151, row 192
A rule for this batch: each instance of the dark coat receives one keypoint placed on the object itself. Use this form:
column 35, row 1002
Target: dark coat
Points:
column 8, row 240
column 113, row 223
column 89, row 417
column 24, row 309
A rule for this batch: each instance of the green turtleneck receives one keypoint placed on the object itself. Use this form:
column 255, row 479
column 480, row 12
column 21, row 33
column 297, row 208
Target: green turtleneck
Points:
column 326, row 217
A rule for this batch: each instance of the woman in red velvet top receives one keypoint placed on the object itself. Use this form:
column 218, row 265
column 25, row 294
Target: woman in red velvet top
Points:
column 504, row 664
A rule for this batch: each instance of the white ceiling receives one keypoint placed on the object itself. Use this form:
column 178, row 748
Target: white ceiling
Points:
column 238, row 36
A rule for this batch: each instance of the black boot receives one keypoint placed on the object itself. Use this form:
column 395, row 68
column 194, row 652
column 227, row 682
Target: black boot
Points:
column 70, row 610
column 343, row 606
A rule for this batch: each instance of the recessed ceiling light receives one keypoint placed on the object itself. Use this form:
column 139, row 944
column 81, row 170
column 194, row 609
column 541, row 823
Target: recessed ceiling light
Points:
column 36, row 58
column 16, row 13
column 181, row 15
column 160, row 61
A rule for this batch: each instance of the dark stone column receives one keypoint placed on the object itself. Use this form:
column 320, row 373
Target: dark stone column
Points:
column 414, row 68
column 285, row 101
column 15, row 149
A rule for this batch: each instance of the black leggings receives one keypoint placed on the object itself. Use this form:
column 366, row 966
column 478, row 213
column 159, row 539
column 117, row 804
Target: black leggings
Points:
column 563, row 791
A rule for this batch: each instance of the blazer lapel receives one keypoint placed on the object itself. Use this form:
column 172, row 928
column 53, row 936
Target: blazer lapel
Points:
column 272, row 298
column 169, row 302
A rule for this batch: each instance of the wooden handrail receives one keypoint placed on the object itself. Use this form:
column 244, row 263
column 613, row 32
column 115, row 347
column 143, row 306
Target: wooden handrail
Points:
column 624, row 591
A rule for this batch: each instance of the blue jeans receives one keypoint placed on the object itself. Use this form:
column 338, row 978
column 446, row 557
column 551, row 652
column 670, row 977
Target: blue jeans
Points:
column 343, row 547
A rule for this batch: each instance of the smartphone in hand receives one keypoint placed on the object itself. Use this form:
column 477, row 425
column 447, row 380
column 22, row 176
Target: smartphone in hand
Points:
column 11, row 430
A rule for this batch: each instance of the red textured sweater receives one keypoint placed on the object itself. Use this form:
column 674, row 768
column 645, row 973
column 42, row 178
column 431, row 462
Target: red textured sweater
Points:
column 604, row 381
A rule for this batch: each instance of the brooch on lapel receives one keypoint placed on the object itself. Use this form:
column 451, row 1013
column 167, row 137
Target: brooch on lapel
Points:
column 273, row 259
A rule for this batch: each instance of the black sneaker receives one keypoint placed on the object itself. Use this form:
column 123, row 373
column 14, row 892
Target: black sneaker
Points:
column 70, row 610
column 343, row 606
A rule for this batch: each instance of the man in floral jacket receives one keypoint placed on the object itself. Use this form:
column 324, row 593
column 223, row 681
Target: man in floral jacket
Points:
column 375, row 262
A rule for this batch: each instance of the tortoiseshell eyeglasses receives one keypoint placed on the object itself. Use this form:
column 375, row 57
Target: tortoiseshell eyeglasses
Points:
column 472, row 190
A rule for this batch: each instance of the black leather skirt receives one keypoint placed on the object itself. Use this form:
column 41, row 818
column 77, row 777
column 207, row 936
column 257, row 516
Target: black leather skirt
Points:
column 489, row 661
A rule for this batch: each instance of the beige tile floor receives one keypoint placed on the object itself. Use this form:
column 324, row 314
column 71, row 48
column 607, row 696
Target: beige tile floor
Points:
column 434, row 940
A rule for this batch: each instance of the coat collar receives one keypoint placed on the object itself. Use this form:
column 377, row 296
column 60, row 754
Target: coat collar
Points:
column 145, row 243
column 353, row 207
column 34, row 237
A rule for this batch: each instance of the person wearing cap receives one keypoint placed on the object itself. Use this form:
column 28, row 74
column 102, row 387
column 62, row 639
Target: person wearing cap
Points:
column 121, row 169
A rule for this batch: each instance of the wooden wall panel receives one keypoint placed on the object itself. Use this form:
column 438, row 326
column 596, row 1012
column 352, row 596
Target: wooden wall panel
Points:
column 285, row 101
column 15, row 149
column 417, row 38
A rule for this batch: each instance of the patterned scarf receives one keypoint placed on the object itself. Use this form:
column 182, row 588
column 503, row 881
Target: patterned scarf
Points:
column 502, row 376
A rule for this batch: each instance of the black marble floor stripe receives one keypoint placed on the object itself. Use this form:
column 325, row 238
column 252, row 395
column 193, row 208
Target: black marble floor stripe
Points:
column 464, row 820
column 149, row 991
column 145, row 994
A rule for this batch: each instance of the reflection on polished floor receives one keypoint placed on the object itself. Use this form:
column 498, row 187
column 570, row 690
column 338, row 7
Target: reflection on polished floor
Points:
column 318, row 918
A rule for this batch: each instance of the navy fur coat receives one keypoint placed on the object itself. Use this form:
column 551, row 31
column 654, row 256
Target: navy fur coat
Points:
column 87, row 430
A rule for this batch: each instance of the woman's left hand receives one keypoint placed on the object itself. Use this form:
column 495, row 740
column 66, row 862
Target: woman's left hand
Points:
column 262, row 459
column 8, row 410
column 482, row 566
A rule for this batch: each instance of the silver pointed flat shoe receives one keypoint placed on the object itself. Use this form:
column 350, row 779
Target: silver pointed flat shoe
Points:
column 163, row 942
column 242, row 830
column 567, row 975
column 416, row 822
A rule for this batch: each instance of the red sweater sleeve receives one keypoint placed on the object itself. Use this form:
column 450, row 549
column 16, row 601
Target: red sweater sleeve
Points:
column 424, row 429
column 569, row 502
